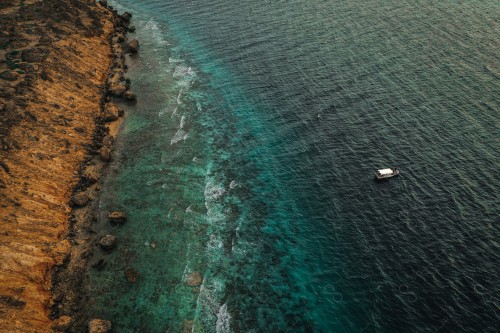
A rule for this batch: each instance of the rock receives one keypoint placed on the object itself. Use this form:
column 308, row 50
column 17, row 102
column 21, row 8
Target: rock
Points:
column 133, row 45
column 80, row 199
column 62, row 323
column 194, row 279
column 132, row 275
column 107, row 242
column 117, row 217
column 130, row 96
column 187, row 326
column 103, row 3
column 105, row 154
column 99, row 264
column 108, row 141
column 120, row 37
column 9, row 75
column 99, row 326
column 126, row 17
column 131, row 28
column 91, row 175
column 118, row 89
column 111, row 112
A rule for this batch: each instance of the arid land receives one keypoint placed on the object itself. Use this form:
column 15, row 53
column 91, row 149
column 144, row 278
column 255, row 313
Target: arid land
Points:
column 59, row 61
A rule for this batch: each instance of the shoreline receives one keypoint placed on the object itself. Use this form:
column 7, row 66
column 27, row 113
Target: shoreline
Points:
column 59, row 120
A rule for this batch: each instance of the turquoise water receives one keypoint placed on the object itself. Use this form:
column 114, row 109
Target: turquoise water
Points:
column 249, row 159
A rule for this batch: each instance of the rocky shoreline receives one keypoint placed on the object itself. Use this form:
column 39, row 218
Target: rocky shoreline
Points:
column 62, row 79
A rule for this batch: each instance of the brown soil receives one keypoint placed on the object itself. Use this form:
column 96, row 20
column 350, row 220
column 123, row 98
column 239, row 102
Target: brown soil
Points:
column 54, row 58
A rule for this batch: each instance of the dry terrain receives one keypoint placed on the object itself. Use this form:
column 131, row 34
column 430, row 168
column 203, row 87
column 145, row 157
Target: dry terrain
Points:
column 54, row 58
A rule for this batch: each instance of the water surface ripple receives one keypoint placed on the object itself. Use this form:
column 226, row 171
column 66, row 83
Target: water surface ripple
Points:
column 249, row 159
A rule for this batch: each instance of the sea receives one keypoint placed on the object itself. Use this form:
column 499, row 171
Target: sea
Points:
column 246, row 169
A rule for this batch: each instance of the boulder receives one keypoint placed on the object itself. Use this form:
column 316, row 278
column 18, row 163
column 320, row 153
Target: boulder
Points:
column 9, row 75
column 194, row 279
column 99, row 326
column 118, row 89
column 107, row 242
column 120, row 37
column 105, row 154
column 80, row 199
column 117, row 217
column 133, row 46
column 130, row 96
column 90, row 175
column 131, row 28
column 132, row 275
column 108, row 141
column 62, row 323
column 126, row 17
column 111, row 112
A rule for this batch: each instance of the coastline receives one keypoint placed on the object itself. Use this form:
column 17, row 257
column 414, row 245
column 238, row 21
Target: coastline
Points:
column 62, row 74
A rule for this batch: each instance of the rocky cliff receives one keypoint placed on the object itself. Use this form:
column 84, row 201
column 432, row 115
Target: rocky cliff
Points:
column 54, row 59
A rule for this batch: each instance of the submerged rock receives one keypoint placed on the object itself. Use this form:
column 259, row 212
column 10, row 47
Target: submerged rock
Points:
column 99, row 264
column 107, row 242
column 133, row 45
column 99, row 326
column 117, row 217
column 132, row 275
column 194, row 279
column 130, row 96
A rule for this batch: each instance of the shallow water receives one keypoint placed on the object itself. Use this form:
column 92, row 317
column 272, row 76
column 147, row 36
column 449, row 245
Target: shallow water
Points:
column 250, row 154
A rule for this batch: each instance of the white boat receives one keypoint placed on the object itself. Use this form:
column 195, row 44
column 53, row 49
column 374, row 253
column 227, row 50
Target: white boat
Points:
column 386, row 173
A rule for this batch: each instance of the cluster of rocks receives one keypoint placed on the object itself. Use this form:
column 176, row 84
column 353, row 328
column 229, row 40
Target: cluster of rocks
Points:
column 119, row 86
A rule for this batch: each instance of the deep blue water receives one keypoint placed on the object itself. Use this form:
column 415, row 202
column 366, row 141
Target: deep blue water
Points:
column 249, row 159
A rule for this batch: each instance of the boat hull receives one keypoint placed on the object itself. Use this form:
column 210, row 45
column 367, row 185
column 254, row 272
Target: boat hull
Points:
column 379, row 177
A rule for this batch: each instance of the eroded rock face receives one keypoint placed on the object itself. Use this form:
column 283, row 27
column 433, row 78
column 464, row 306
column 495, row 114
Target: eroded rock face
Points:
column 99, row 326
